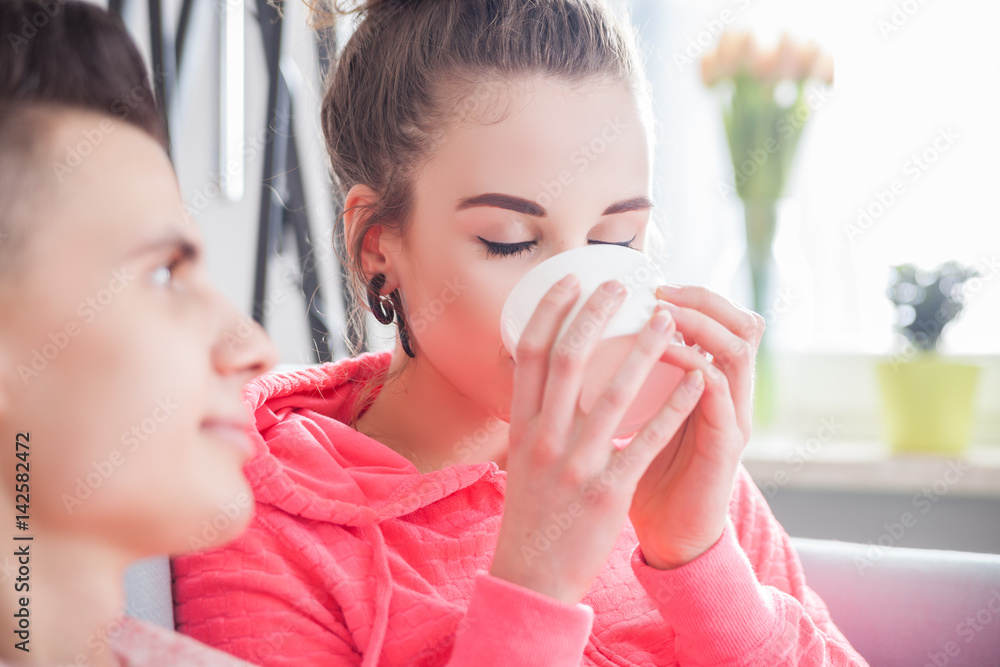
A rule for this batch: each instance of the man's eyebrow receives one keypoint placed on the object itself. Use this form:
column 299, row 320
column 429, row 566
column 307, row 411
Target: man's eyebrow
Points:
column 528, row 207
column 189, row 250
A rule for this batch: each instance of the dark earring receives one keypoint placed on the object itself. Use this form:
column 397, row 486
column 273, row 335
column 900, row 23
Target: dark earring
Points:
column 404, row 338
column 404, row 334
column 385, row 313
column 378, row 307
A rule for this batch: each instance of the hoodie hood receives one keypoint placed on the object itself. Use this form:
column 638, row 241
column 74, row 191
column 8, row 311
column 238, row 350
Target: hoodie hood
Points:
column 310, row 463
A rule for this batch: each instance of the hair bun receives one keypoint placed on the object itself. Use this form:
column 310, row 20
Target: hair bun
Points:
column 362, row 7
column 325, row 13
column 373, row 5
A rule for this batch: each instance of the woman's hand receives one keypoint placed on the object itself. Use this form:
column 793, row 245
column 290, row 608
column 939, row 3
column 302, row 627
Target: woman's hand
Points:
column 568, row 488
column 680, row 505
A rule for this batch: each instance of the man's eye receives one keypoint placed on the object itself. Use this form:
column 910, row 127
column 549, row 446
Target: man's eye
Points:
column 163, row 275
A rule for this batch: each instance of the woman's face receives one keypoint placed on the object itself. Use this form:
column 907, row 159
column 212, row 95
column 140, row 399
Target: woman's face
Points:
column 119, row 358
column 565, row 169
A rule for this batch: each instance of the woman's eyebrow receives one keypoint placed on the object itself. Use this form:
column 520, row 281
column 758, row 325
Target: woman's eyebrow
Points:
column 509, row 202
column 634, row 204
column 528, row 207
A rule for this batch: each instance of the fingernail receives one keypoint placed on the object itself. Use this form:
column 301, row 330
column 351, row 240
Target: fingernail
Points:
column 696, row 380
column 670, row 288
column 569, row 282
column 615, row 287
column 660, row 322
column 673, row 308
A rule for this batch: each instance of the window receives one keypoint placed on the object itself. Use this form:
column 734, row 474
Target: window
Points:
column 913, row 103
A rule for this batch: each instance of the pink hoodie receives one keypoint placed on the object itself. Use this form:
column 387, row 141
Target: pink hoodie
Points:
column 354, row 557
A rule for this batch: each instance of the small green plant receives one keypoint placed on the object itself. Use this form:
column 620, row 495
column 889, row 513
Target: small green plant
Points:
column 927, row 301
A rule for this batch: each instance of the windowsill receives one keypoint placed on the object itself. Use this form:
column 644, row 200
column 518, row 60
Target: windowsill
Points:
column 869, row 466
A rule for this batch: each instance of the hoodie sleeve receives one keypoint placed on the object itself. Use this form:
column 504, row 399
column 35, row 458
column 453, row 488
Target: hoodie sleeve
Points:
column 744, row 602
column 507, row 624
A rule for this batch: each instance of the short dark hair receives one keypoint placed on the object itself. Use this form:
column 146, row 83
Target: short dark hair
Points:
column 75, row 54
column 60, row 54
column 22, row 133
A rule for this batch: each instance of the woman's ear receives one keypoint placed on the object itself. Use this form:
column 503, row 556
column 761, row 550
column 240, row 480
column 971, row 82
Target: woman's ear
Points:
column 377, row 250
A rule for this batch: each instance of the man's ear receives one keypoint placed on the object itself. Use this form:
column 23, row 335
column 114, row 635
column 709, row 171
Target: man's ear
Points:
column 376, row 249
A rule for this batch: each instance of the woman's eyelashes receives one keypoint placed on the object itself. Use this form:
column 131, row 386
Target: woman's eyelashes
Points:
column 506, row 249
column 494, row 249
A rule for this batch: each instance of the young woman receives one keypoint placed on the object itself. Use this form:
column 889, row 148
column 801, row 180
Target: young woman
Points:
column 439, row 504
column 121, row 367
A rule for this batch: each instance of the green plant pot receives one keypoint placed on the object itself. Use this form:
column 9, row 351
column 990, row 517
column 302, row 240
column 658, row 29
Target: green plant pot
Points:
column 927, row 403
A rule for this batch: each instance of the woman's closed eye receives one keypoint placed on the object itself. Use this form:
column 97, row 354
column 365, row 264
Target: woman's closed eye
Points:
column 494, row 249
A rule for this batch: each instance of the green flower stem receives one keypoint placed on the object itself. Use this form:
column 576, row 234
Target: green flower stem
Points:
column 764, row 388
column 762, row 138
column 761, row 221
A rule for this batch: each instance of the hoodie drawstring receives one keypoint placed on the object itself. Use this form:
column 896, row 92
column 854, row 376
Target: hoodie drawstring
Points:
column 383, row 594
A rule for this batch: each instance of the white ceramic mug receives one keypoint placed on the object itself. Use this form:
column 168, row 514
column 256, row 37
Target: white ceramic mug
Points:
column 594, row 265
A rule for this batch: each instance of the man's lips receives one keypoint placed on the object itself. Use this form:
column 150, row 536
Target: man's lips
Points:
column 233, row 431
